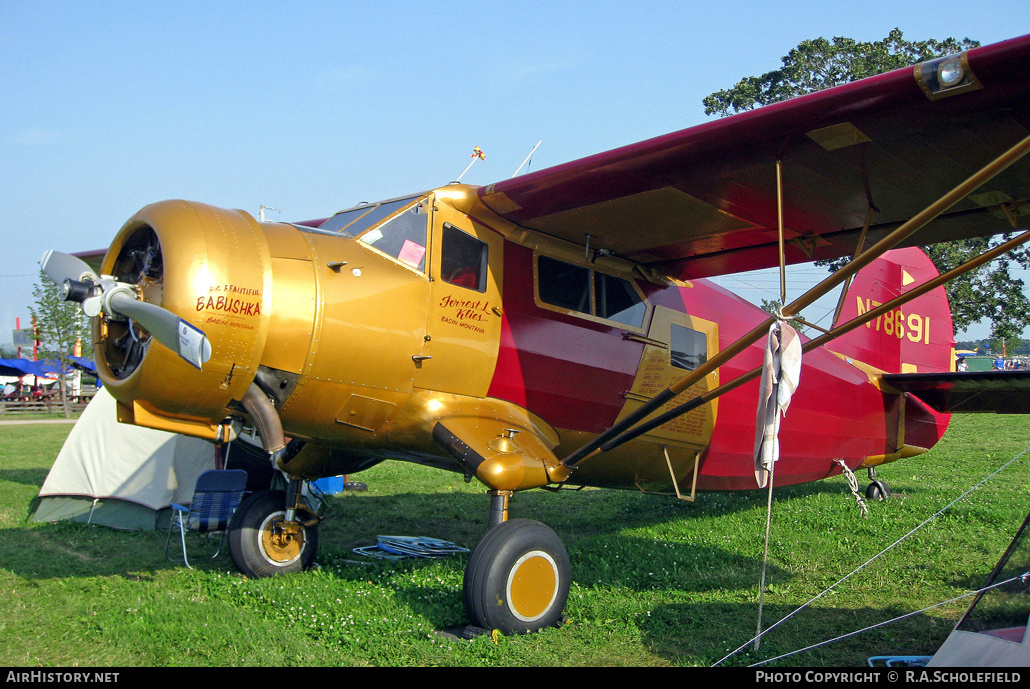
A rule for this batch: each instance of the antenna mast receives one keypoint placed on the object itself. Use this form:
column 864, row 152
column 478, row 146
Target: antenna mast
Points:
column 528, row 157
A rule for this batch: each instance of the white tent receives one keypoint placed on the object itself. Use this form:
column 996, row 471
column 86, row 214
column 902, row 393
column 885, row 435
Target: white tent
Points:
column 995, row 631
column 120, row 475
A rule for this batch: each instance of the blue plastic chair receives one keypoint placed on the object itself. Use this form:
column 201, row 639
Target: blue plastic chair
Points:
column 900, row 661
column 217, row 495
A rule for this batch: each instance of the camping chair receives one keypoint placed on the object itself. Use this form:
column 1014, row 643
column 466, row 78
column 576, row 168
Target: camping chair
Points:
column 215, row 499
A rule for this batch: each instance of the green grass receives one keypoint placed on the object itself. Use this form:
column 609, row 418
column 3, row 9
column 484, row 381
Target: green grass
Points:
column 658, row 582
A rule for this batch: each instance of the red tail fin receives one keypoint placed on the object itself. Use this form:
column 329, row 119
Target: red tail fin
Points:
column 915, row 338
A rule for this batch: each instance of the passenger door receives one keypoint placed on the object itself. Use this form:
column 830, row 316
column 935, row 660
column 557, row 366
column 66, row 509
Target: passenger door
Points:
column 676, row 344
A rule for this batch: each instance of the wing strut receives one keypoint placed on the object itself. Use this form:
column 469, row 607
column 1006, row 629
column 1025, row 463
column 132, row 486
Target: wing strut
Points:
column 858, row 251
column 779, row 231
column 819, row 341
column 908, row 228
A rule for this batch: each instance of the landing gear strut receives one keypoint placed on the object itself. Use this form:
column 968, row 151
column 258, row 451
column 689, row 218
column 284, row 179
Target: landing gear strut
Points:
column 877, row 490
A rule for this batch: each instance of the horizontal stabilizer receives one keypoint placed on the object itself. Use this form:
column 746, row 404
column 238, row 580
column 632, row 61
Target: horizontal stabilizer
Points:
column 1001, row 392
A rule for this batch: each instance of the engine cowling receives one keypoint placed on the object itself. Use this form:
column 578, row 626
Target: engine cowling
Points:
column 211, row 267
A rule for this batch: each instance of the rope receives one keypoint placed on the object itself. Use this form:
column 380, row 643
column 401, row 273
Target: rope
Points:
column 765, row 558
column 849, row 475
column 781, row 362
column 877, row 556
column 1022, row 577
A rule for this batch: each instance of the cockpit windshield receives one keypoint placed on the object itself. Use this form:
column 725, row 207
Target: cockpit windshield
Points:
column 353, row 221
column 403, row 237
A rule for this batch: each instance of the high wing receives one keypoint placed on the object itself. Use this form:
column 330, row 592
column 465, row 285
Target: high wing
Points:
column 703, row 201
column 94, row 258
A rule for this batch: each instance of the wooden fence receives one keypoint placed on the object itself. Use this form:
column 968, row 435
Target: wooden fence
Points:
column 51, row 405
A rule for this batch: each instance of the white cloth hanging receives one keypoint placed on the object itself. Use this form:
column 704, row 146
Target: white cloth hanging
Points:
column 781, row 373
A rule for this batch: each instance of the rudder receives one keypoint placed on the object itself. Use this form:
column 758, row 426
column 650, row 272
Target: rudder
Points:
column 917, row 337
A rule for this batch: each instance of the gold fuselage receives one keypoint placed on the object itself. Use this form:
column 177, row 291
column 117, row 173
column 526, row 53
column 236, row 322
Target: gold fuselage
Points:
column 361, row 352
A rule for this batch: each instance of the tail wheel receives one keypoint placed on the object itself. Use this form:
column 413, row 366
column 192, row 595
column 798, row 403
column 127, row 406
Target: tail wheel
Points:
column 517, row 579
column 877, row 490
column 263, row 543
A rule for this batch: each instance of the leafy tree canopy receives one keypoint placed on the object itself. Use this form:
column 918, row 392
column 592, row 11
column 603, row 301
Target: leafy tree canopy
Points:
column 990, row 292
column 818, row 64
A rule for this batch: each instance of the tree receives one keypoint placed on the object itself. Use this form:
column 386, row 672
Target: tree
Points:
column 990, row 292
column 819, row 64
column 60, row 326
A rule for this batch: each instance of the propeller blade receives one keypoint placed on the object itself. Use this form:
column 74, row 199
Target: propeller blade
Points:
column 181, row 337
column 60, row 267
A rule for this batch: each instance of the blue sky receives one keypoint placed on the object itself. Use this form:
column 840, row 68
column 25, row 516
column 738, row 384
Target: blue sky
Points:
column 309, row 107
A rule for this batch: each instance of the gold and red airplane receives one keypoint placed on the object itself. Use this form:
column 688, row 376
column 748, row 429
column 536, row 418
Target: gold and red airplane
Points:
column 556, row 329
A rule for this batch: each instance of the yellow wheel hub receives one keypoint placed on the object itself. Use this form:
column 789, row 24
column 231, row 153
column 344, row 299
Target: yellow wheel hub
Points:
column 282, row 541
column 532, row 585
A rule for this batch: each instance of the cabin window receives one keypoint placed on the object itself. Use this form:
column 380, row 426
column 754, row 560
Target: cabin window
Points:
column 403, row 237
column 589, row 292
column 564, row 285
column 688, row 348
column 463, row 259
column 617, row 300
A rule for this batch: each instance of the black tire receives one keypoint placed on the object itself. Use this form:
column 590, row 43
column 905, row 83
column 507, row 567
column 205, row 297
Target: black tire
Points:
column 517, row 579
column 877, row 490
column 262, row 545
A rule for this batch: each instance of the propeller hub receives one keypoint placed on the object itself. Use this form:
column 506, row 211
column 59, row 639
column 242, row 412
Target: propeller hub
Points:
column 77, row 290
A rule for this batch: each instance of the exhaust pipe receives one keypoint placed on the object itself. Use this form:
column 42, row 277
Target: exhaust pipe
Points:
column 266, row 422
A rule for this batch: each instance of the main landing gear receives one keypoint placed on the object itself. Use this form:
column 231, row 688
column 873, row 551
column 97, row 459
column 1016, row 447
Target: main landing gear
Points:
column 266, row 538
column 518, row 576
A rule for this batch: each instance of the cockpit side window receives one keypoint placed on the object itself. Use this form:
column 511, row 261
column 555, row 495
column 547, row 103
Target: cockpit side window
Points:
column 688, row 348
column 403, row 237
column 463, row 259
column 618, row 301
